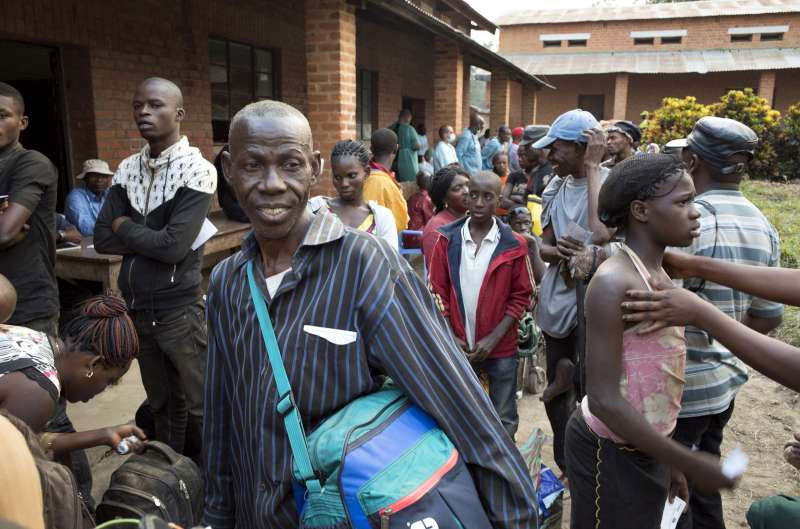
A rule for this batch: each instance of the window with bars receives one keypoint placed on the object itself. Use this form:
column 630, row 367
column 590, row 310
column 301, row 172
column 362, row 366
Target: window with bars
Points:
column 239, row 74
column 366, row 103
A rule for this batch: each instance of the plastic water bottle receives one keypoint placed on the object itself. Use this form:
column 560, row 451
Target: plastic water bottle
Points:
column 124, row 446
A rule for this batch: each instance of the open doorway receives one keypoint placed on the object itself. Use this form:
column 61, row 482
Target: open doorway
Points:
column 35, row 71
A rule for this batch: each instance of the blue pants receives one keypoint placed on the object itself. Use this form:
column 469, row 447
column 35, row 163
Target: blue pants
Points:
column 502, row 373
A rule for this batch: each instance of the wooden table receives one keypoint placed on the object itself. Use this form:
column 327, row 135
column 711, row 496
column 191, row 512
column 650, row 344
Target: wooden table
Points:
column 87, row 264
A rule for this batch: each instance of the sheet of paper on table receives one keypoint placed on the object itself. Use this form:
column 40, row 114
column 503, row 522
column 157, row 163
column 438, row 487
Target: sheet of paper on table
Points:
column 206, row 232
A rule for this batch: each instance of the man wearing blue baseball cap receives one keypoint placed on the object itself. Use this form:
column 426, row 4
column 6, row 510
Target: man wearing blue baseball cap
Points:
column 571, row 229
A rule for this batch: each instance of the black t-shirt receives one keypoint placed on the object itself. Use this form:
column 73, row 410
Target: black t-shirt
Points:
column 30, row 180
column 524, row 184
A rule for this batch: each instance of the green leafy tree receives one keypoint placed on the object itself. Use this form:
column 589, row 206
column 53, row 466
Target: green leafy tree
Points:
column 674, row 119
column 789, row 144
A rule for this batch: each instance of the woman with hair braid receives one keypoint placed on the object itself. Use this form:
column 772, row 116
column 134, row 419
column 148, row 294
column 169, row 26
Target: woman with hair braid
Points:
column 94, row 351
column 621, row 461
column 350, row 168
column 449, row 194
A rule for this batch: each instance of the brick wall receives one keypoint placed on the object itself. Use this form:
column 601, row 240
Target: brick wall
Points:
column 118, row 44
column 645, row 92
column 787, row 89
column 551, row 103
column 703, row 33
column 515, row 105
column 405, row 69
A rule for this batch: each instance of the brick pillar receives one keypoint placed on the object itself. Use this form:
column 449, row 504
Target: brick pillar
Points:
column 528, row 104
column 501, row 99
column 465, row 99
column 448, row 86
column 620, row 96
column 766, row 85
column 331, row 75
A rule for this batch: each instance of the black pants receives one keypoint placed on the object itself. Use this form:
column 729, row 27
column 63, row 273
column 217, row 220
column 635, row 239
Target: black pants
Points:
column 704, row 433
column 172, row 360
column 612, row 486
column 561, row 407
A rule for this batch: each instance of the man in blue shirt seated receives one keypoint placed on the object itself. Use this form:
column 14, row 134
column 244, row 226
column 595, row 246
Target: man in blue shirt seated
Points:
column 84, row 203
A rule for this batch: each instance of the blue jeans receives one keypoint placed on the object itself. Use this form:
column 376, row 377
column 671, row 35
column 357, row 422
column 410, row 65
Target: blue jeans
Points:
column 502, row 373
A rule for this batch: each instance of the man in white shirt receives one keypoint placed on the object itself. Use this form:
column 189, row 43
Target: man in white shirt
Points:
column 445, row 153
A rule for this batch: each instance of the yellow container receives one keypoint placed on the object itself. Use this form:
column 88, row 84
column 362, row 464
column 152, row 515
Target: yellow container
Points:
column 535, row 207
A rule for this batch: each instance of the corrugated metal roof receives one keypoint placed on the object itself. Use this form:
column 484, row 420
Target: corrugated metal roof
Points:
column 701, row 61
column 708, row 8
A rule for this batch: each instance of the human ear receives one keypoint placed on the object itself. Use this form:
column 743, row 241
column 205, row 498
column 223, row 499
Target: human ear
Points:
column 180, row 113
column 23, row 123
column 316, row 167
column 226, row 166
column 638, row 210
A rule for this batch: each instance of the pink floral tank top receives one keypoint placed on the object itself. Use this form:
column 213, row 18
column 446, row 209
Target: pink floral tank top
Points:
column 652, row 373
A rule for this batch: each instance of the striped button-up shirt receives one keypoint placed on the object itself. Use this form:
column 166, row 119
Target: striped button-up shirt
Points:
column 731, row 228
column 341, row 279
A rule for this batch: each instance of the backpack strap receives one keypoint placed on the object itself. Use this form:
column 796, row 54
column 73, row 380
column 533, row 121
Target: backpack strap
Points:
column 286, row 405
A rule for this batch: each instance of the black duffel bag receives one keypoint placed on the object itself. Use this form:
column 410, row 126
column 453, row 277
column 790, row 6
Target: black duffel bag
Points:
column 158, row 481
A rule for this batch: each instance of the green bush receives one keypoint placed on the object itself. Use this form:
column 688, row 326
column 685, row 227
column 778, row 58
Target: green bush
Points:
column 789, row 145
column 777, row 154
column 747, row 107
column 673, row 120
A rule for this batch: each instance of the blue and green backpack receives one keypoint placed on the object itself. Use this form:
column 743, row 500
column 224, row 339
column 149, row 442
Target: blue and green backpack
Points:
column 379, row 462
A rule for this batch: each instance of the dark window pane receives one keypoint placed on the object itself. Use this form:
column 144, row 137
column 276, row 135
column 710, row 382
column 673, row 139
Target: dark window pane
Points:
column 216, row 52
column 241, row 80
column 746, row 37
column 263, row 60
column 239, row 100
column 219, row 130
column 552, row 43
column 644, row 41
column 218, row 75
column 671, row 40
column 219, row 104
column 264, row 83
column 240, row 56
column 771, row 36
column 576, row 43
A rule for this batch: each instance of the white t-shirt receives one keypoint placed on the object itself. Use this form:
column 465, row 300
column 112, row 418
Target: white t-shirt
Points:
column 472, row 271
column 274, row 282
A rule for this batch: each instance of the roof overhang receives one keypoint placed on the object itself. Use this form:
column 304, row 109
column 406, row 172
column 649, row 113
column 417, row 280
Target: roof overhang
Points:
column 482, row 57
column 699, row 61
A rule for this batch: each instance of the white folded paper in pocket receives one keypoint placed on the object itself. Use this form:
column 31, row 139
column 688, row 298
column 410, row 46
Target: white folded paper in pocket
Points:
column 335, row 336
column 207, row 230
column 672, row 512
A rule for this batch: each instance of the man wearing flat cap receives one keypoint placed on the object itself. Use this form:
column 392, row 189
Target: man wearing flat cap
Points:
column 717, row 153
column 621, row 141
column 83, row 204
column 534, row 173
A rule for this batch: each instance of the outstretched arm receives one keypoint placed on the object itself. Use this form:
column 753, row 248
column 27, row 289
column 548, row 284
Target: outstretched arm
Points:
column 776, row 284
column 677, row 306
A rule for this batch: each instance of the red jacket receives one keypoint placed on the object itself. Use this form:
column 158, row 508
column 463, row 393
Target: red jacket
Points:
column 507, row 287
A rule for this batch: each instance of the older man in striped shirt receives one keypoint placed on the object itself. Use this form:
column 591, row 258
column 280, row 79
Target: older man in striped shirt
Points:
column 316, row 272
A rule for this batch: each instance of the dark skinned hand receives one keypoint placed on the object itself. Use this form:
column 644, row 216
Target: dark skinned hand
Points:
column 483, row 348
column 595, row 146
column 704, row 472
column 667, row 306
column 791, row 451
column 568, row 247
column 463, row 345
column 678, row 264
column 117, row 433
column 118, row 222
column 679, row 487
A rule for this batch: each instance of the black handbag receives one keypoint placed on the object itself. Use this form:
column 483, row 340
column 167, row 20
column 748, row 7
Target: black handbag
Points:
column 158, row 482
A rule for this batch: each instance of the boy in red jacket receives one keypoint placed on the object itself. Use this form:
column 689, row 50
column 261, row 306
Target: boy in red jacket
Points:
column 481, row 278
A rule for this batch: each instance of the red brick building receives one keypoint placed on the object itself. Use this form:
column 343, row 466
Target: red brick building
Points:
column 349, row 65
column 619, row 61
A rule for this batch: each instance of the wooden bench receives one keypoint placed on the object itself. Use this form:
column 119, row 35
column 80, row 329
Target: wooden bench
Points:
column 87, row 264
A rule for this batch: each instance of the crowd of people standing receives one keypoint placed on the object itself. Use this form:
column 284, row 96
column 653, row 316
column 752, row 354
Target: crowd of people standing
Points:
column 567, row 221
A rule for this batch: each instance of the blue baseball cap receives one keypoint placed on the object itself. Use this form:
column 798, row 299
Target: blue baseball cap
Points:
column 569, row 126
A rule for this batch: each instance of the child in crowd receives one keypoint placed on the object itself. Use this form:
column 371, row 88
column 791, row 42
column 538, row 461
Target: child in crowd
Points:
column 519, row 218
column 420, row 207
column 480, row 276
column 95, row 350
column 350, row 168
column 621, row 463
column 426, row 165
column 500, row 168
column 449, row 194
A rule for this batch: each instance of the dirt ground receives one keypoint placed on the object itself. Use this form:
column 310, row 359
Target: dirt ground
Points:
column 764, row 418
